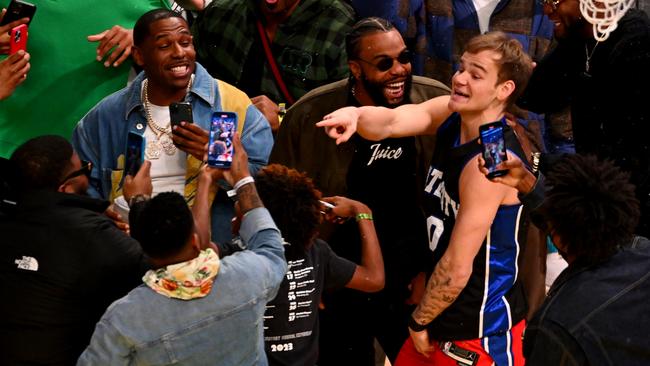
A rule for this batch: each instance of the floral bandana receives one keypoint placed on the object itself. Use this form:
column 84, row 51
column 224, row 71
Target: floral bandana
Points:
column 186, row 280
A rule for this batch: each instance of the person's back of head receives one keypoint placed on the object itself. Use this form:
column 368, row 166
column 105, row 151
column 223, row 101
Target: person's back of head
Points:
column 163, row 225
column 362, row 28
column 514, row 63
column 293, row 201
column 590, row 206
column 42, row 162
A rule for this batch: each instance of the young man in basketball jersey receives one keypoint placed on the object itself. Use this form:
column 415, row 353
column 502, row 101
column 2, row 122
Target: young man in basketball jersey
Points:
column 473, row 307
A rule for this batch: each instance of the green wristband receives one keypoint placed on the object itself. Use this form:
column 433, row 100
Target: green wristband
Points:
column 364, row 216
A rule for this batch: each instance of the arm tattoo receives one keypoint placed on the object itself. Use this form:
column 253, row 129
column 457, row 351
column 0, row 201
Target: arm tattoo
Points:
column 248, row 198
column 440, row 293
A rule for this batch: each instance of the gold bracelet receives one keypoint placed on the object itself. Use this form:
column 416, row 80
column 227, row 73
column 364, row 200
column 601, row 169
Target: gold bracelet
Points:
column 364, row 216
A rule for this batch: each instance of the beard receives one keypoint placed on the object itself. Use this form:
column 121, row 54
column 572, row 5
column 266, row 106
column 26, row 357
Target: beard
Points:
column 376, row 92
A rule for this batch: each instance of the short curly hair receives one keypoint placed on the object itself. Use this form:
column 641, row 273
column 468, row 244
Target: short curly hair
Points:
column 162, row 225
column 591, row 206
column 293, row 201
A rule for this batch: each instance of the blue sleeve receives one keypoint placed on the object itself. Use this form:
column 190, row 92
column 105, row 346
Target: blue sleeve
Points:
column 257, row 139
column 107, row 347
column 262, row 237
column 550, row 344
column 86, row 145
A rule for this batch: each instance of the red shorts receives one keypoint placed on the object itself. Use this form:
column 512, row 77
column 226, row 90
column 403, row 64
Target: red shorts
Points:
column 501, row 350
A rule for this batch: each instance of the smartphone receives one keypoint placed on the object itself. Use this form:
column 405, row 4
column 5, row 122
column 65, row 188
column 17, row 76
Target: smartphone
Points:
column 134, row 153
column 18, row 39
column 222, row 128
column 179, row 112
column 494, row 147
column 17, row 10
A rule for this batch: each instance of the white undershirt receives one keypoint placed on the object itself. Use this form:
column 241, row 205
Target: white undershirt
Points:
column 168, row 171
column 484, row 10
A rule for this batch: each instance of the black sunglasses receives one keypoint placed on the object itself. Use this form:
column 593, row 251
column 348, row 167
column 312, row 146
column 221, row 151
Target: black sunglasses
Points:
column 386, row 63
column 86, row 168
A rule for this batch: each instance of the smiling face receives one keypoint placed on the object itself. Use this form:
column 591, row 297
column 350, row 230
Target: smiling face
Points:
column 475, row 86
column 167, row 56
column 385, row 87
column 565, row 16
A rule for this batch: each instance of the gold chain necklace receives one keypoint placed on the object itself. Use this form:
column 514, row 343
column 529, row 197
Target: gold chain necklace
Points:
column 164, row 141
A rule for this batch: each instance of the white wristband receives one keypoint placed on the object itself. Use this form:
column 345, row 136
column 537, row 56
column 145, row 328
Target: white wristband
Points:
column 239, row 184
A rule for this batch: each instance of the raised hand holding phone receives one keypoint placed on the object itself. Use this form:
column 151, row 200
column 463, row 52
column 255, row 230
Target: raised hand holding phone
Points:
column 220, row 147
column 239, row 165
column 18, row 12
column 139, row 184
column 494, row 148
column 135, row 147
column 6, row 28
column 18, row 39
column 186, row 135
column 180, row 112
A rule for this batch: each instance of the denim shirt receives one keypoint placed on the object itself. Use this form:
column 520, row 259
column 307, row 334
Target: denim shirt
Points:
column 596, row 314
column 100, row 137
column 223, row 328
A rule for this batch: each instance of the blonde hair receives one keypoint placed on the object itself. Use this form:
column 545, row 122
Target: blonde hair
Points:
column 514, row 64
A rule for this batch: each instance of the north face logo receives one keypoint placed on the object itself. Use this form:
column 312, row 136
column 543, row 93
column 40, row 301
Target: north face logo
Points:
column 27, row 263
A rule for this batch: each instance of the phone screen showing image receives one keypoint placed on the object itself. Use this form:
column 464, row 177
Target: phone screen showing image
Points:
column 494, row 147
column 134, row 153
column 220, row 148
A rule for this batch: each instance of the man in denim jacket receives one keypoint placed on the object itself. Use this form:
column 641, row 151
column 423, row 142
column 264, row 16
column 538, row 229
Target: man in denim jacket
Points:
column 193, row 308
column 163, row 47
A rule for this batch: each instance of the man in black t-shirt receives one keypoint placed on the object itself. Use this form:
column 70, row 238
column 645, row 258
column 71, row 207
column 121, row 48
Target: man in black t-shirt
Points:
column 291, row 324
column 387, row 175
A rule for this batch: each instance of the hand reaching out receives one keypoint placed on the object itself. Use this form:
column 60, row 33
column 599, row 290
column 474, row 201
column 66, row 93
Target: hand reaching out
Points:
column 340, row 124
column 5, row 29
column 269, row 109
column 114, row 44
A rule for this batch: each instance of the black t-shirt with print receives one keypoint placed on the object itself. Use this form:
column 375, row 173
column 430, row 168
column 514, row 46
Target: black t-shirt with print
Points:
column 382, row 175
column 291, row 319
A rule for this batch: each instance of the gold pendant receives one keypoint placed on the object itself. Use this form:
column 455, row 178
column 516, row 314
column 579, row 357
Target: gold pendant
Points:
column 152, row 151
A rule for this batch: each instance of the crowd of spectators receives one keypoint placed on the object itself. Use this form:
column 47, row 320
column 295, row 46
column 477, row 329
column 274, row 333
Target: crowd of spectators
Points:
column 357, row 220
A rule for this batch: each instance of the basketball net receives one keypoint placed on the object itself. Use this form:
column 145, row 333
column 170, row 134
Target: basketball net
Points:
column 604, row 15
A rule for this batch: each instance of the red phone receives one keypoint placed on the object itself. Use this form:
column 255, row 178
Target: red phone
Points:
column 18, row 40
